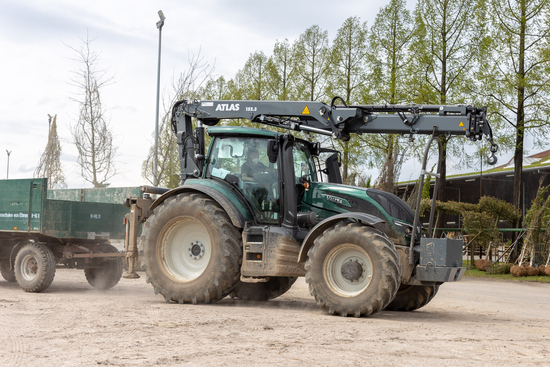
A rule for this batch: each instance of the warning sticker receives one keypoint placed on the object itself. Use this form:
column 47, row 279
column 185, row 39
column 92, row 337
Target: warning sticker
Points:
column 461, row 124
column 306, row 111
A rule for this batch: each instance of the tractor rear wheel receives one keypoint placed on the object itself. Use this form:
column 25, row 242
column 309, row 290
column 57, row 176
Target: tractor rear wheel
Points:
column 273, row 288
column 412, row 297
column 106, row 273
column 353, row 270
column 34, row 267
column 192, row 251
column 7, row 273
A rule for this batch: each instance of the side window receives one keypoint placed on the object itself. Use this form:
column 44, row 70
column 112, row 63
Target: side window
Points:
column 227, row 157
column 303, row 162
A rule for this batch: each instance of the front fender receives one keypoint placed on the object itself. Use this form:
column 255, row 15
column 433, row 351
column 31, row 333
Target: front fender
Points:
column 238, row 216
column 370, row 220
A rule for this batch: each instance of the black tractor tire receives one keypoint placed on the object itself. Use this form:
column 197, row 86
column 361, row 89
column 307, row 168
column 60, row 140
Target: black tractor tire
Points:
column 34, row 267
column 191, row 249
column 375, row 273
column 412, row 297
column 107, row 272
column 7, row 273
column 273, row 288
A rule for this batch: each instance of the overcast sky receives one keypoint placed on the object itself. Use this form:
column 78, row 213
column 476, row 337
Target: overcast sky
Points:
column 36, row 64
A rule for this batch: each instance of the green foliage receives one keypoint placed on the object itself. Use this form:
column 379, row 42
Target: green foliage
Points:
column 348, row 55
column 499, row 269
column 445, row 52
column 426, row 188
column 500, row 209
column 482, row 226
column 486, row 275
column 537, row 215
column 312, row 64
column 479, row 220
column 390, row 37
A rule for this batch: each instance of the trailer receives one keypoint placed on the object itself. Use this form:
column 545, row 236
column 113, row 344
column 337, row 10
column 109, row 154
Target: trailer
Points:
column 43, row 229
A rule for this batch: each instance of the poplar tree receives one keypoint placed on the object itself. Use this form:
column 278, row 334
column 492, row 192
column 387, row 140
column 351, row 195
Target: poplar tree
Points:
column 49, row 165
column 91, row 133
column 254, row 77
column 389, row 40
column 280, row 69
column 312, row 60
column 444, row 48
column 347, row 79
column 519, row 76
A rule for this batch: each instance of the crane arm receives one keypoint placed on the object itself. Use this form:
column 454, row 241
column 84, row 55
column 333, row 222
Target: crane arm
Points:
column 337, row 121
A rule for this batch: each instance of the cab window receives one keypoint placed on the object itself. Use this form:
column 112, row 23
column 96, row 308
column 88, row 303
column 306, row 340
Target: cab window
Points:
column 243, row 162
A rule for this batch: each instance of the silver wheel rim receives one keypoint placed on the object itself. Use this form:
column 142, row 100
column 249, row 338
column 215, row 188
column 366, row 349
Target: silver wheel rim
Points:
column 332, row 270
column 29, row 267
column 185, row 249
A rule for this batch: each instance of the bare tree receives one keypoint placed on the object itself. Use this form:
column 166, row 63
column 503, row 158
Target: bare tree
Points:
column 91, row 133
column 185, row 87
column 49, row 165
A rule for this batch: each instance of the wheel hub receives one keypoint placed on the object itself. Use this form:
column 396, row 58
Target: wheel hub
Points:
column 196, row 250
column 352, row 270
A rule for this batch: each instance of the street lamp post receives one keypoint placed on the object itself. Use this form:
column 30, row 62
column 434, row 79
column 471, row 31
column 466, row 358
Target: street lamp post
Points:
column 160, row 23
column 8, row 172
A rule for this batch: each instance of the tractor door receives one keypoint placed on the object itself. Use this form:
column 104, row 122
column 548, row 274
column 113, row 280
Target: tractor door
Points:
column 243, row 161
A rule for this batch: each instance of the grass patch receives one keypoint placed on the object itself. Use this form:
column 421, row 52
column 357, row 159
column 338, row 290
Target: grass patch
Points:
column 474, row 273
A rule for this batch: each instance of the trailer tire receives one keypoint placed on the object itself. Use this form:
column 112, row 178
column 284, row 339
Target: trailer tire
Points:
column 191, row 249
column 265, row 291
column 7, row 273
column 353, row 269
column 107, row 273
column 34, row 267
column 412, row 297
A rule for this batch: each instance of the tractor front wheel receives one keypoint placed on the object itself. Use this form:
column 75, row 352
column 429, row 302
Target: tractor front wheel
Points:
column 353, row 270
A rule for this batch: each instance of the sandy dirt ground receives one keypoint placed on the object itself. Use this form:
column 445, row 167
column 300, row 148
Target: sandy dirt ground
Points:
column 469, row 323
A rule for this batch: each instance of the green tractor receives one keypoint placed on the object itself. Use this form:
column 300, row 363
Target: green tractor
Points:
column 262, row 208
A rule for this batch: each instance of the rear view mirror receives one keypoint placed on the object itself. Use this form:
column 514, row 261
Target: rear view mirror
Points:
column 272, row 150
column 333, row 169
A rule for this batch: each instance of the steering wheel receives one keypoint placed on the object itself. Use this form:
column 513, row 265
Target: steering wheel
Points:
column 264, row 178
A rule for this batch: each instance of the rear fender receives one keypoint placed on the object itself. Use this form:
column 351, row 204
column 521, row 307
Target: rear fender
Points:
column 368, row 219
column 237, row 218
column 13, row 253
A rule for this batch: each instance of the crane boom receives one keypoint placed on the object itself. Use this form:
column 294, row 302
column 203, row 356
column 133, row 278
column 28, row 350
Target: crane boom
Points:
column 337, row 121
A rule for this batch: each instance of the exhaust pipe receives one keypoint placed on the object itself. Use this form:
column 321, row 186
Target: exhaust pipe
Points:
column 154, row 190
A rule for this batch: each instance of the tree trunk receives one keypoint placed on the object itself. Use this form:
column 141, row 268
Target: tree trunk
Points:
column 520, row 119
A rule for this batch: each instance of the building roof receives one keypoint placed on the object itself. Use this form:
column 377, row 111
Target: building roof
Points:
column 537, row 158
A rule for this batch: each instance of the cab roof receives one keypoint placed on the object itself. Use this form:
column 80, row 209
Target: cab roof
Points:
column 240, row 130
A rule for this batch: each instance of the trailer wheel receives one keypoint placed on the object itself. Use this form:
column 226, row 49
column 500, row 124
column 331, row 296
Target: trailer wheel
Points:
column 107, row 272
column 412, row 297
column 34, row 267
column 7, row 273
column 192, row 251
column 353, row 270
column 273, row 288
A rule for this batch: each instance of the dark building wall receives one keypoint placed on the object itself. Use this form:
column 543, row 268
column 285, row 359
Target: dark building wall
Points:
column 468, row 189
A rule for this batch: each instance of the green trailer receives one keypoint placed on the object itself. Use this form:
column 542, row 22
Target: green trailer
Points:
column 41, row 229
